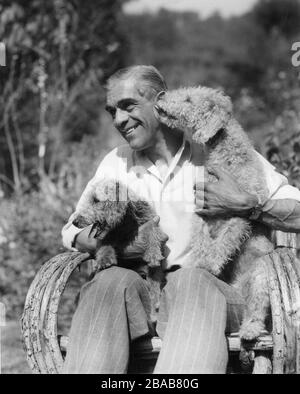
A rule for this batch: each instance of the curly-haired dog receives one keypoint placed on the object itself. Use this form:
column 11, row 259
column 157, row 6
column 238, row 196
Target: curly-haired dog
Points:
column 205, row 115
column 116, row 214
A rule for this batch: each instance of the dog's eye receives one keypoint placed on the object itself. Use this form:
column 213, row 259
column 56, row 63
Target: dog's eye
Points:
column 96, row 200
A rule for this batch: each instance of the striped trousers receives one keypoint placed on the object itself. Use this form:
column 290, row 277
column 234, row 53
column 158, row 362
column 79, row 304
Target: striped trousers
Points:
column 196, row 311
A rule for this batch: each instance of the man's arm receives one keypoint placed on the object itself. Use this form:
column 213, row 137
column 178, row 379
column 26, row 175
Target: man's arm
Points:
column 283, row 215
column 84, row 241
column 74, row 238
column 69, row 233
column 77, row 239
column 281, row 211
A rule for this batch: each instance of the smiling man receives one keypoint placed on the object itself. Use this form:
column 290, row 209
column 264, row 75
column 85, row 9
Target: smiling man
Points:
column 131, row 109
column 196, row 309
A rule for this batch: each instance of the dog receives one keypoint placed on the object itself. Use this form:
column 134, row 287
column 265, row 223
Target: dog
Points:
column 224, row 246
column 116, row 215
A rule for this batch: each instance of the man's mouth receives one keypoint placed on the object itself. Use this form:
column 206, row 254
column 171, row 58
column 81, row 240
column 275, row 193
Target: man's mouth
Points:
column 130, row 130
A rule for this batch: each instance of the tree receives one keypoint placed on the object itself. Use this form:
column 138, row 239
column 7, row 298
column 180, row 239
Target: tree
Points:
column 59, row 54
column 278, row 17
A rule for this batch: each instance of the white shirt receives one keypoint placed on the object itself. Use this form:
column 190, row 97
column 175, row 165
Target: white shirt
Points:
column 172, row 197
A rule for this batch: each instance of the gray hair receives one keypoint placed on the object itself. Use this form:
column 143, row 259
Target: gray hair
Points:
column 147, row 74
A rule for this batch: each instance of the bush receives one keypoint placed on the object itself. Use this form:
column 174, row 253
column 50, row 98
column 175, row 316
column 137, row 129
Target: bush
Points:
column 31, row 235
column 30, row 224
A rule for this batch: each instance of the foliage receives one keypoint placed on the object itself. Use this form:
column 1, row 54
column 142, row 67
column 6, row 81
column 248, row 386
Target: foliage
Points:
column 237, row 53
column 278, row 16
column 30, row 224
column 26, row 242
column 283, row 139
column 53, row 132
column 59, row 54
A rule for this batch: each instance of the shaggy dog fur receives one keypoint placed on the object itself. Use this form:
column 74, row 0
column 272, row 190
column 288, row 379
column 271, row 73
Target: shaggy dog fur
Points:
column 205, row 115
column 116, row 214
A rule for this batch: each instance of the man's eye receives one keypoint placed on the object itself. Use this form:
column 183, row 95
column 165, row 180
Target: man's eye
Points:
column 129, row 107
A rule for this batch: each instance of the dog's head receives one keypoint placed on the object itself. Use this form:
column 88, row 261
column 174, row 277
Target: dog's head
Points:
column 105, row 207
column 116, row 213
column 200, row 112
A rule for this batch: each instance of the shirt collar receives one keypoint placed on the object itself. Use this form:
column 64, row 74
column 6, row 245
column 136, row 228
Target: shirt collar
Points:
column 184, row 150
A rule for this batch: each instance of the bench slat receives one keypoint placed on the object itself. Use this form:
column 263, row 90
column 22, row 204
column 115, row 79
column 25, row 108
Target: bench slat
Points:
column 146, row 347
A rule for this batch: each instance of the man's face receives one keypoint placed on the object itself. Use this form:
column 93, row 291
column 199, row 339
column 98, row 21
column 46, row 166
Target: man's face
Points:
column 132, row 111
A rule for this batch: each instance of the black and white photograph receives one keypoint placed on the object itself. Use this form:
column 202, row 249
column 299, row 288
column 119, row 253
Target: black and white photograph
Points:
column 149, row 189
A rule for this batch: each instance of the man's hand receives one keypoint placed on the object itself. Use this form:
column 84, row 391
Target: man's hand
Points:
column 223, row 198
column 85, row 241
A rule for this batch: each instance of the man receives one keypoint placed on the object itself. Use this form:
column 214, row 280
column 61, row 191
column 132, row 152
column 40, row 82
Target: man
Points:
column 196, row 309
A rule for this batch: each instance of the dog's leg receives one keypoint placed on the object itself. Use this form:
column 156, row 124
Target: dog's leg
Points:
column 255, row 291
column 153, row 241
column 105, row 257
column 211, row 247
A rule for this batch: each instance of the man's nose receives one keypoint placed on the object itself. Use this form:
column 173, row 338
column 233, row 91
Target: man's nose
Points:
column 121, row 118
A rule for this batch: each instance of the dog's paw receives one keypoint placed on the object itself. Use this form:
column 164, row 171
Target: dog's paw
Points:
column 251, row 330
column 104, row 265
column 105, row 257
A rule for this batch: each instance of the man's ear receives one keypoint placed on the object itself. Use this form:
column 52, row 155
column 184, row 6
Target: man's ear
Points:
column 159, row 96
column 157, row 109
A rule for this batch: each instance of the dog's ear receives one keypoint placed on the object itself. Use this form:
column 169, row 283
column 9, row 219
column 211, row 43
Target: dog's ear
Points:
column 215, row 118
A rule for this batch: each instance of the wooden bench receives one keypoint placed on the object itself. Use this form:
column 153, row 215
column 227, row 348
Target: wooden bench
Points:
column 145, row 353
column 276, row 353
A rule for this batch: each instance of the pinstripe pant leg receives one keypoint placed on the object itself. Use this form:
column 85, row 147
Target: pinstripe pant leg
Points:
column 114, row 308
column 192, row 323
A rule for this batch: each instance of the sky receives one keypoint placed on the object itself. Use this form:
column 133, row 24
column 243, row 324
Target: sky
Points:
column 203, row 7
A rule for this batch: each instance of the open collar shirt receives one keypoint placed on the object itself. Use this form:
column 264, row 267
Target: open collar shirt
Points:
column 171, row 196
